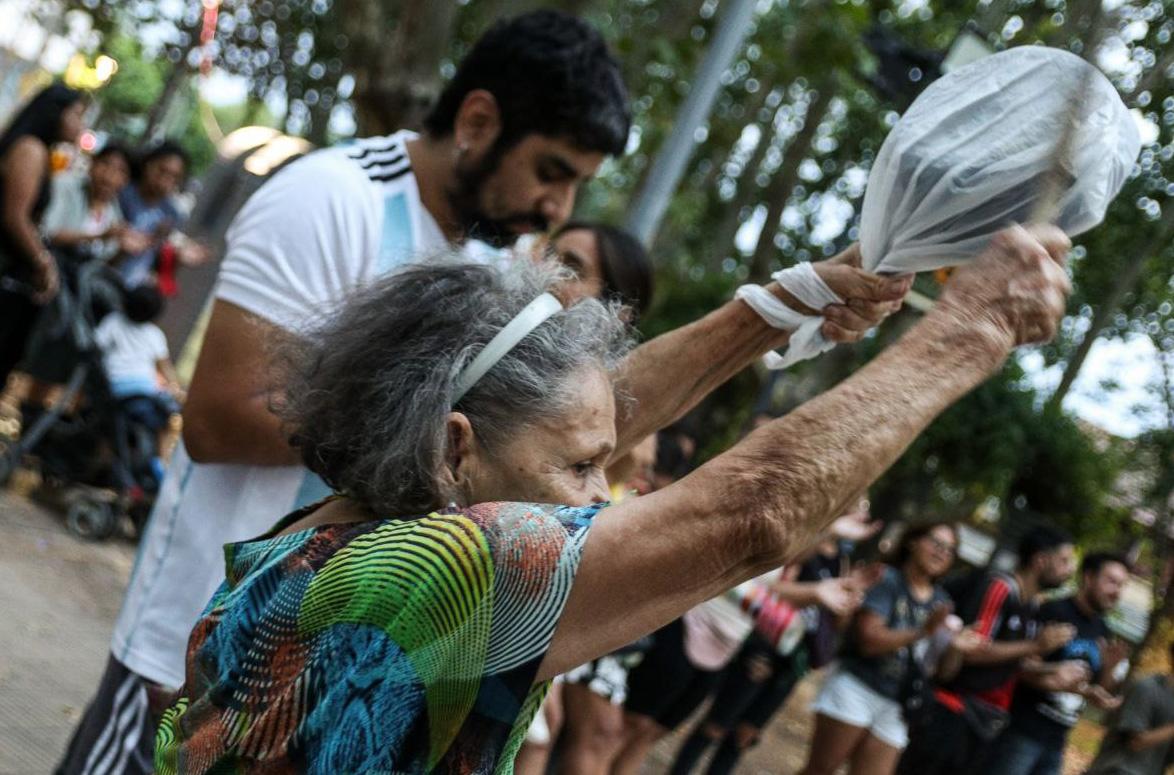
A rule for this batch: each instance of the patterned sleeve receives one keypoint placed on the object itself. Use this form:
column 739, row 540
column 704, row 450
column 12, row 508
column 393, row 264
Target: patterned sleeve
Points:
column 472, row 605
column 533, row 553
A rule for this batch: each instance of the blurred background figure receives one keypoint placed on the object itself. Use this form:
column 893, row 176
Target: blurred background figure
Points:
column 28, row 271
column 819, row 594
column 84, row 215
column 587, row 705
column 148, row 203
column 1140, row 740
column 860, row 714
column 610, row 264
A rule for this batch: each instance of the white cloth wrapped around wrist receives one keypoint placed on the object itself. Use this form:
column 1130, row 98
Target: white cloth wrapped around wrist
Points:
column 805, row 284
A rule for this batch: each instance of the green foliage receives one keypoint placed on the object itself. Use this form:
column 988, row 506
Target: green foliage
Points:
column 996, row 443
column 137, row 84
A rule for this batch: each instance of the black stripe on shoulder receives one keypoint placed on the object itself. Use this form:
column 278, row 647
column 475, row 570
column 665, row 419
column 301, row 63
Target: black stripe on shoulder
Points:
column 388, row 162
column 391, row 175
column 372, row 149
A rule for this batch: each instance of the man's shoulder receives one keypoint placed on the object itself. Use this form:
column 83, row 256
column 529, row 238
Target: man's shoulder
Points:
column 381, row 160
column 370, row 167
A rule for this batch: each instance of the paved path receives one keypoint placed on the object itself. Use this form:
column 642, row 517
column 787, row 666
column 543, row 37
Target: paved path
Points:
column 59, row 596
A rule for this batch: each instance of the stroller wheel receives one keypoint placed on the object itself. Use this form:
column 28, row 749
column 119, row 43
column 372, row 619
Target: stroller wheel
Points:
column 90, row 518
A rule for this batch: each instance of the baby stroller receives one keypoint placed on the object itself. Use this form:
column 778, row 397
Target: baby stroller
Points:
column 95, row 459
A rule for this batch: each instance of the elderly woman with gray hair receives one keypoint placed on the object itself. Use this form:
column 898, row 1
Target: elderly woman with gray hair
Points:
column 464, row 418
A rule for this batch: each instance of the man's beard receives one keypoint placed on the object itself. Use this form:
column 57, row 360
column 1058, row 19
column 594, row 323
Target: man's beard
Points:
column 465, row 200
column 1046, row 584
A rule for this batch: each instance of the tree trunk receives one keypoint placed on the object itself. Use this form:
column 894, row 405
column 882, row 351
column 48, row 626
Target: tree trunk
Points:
column 396, row 80
column 784, row 181
column 1125, row 283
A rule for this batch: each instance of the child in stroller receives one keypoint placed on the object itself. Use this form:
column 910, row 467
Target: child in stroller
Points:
column 100, row 454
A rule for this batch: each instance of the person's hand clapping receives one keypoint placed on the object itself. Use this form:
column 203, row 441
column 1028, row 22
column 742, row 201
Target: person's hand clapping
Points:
column 1016, row 291
column 192, row 253
column 839, row 596
column 968, row 641
column 866, row 575
column 132, row 242
column 856, row 525
column 936, row 618
column 1071, row 675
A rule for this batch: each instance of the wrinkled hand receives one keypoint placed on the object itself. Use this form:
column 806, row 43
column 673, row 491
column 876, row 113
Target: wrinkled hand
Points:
column 1053, row 635
column 868, row 298
column 1016, row 290
column 839, row 596
column 45, row 279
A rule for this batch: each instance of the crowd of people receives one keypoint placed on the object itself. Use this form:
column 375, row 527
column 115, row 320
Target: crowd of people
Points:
column 108, row 219
column 432, row 509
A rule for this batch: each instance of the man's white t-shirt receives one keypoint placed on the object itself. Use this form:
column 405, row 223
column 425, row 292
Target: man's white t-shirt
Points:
column 324, row 225
column 130, row 354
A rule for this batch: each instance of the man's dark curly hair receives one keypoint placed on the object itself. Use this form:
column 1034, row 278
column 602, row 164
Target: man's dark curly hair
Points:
column 551, row 74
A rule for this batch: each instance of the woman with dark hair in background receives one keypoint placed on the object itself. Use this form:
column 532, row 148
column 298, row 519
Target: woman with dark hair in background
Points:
column 149, row 207
column 610, row 263
column 28, row 272
column 859, row 711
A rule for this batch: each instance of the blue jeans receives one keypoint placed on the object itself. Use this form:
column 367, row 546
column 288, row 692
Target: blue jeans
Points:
column 1017, row 753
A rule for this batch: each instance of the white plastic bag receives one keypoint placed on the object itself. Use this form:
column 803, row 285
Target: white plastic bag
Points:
column 970, row 157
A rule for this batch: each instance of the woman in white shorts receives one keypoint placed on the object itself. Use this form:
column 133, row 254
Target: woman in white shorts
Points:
column 859, row 710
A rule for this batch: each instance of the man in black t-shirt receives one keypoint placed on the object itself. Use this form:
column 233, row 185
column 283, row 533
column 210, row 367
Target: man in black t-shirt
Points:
column 1052, row 694
column 973, row 695
column 1139, row 739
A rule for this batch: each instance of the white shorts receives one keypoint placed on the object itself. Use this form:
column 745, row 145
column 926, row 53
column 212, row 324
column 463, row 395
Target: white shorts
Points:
column 606, row 676
column 847, row 699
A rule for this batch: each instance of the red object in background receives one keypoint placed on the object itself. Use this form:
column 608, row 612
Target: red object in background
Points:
column 208, row 33
column 166, row 273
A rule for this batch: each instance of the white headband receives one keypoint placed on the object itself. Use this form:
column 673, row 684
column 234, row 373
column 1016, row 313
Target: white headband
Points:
column 532, row 315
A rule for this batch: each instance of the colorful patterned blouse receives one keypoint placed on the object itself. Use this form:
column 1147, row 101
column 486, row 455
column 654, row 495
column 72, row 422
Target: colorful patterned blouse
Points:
column 389, row 646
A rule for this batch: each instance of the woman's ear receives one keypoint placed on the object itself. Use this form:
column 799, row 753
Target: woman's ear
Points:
column 460, row 455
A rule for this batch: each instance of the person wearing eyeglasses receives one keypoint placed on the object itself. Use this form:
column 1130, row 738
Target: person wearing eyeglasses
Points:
column 972, row 700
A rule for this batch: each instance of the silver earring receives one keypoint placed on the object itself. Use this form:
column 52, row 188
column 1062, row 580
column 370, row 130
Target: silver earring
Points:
column 452, row 506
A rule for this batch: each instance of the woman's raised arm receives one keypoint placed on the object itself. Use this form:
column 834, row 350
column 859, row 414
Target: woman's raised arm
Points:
column 670, row 374
column 650, row 559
